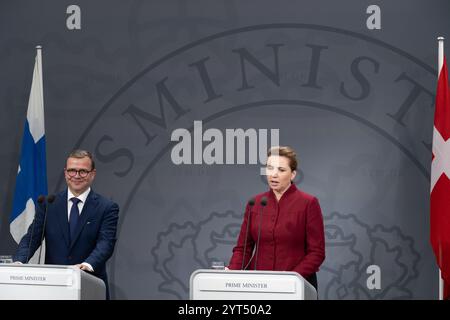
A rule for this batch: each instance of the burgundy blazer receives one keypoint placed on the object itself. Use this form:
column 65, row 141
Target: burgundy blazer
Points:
column 291, row 238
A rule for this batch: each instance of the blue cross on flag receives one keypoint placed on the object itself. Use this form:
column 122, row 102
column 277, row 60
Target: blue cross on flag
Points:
column 31, row 180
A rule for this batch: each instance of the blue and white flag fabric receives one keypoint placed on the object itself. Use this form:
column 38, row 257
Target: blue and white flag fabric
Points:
column 31, row 180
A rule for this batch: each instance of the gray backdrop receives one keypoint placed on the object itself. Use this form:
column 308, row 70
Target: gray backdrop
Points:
column 356, row 104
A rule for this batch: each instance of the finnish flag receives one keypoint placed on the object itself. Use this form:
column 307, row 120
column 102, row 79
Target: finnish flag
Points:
column 31, row 180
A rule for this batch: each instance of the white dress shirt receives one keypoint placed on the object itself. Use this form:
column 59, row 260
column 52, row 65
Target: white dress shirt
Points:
column 81, row 203
column 82, row 198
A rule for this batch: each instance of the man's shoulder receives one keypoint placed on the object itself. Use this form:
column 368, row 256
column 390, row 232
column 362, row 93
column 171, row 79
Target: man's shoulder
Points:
column 61, row 195
column 102, row 199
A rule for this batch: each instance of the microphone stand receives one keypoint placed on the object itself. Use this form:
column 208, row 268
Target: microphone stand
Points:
column 40, row 200
column 251, row 203
column 50, row 200
column 263, row 205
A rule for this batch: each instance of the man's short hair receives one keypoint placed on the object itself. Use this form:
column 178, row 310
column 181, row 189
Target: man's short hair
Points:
column 79, row 154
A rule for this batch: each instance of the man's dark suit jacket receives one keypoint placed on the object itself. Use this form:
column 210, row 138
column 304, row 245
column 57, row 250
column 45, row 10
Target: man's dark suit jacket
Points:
column 94, row 240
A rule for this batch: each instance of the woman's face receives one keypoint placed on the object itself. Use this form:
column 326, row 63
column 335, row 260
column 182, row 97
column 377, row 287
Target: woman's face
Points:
column 279, row 173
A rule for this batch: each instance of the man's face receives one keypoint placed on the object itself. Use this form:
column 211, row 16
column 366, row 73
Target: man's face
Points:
column 79, row 174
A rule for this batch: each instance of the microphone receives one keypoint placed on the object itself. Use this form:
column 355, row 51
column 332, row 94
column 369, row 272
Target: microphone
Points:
column 263, row 205
column 251, row 203
column 40, row 200
column 50, row 200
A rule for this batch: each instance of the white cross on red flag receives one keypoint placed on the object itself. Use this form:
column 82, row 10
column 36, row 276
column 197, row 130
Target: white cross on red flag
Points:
column 440, row 180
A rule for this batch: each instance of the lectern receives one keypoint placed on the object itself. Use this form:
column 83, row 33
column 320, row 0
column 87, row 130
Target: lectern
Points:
column 206, row 284
column 48, row 282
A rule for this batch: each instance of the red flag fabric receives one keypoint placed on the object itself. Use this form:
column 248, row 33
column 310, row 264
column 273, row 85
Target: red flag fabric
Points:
column 440, row 180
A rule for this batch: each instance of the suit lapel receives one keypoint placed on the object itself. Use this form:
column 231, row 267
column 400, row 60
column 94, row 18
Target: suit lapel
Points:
column 89, row 209
column 61, row 211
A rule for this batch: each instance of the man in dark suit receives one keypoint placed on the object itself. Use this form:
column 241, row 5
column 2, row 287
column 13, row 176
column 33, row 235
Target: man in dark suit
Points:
column 81, row 225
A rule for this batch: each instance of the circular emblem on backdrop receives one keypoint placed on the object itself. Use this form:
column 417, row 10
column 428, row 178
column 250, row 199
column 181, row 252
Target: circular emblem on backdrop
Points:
column 354, row 246
column 342, row 99
column 192, row 245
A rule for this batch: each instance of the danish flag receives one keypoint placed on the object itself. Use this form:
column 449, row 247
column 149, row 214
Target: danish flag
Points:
column 440, row 181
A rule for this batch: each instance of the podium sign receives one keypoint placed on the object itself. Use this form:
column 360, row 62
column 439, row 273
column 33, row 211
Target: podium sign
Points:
column 208, row 284
column 48, row 282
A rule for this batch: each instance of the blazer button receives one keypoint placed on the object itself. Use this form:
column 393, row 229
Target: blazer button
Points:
column 70, row 257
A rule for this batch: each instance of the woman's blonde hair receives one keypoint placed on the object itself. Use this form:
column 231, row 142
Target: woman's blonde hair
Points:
column 285, row 151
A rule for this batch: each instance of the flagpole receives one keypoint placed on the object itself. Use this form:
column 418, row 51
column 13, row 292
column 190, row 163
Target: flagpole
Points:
column 39, row 69
column 41, row 81
column 440, row 63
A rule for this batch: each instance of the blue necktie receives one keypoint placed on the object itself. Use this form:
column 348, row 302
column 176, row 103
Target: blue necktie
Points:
column 73, row 218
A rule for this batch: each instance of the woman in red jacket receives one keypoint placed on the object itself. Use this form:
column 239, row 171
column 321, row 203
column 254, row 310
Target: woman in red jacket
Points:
column 289, row 227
